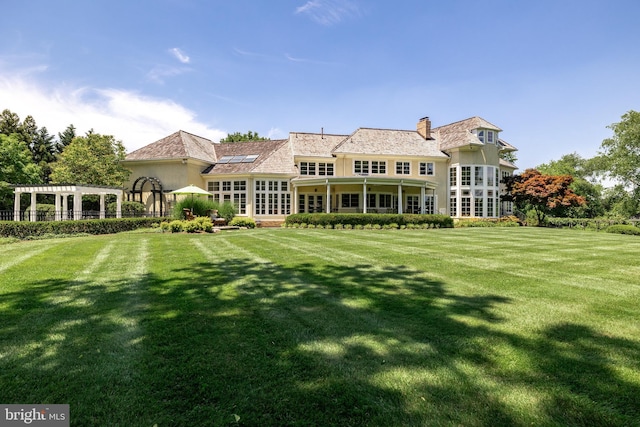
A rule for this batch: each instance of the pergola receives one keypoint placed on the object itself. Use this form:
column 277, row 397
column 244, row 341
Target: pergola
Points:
column 62, row 193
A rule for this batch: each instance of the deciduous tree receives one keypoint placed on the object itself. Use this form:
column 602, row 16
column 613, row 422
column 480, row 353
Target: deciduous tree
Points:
column 544, row 194
column 16, row 167
column 92, row 159
column 241, row 137
column 620, row 154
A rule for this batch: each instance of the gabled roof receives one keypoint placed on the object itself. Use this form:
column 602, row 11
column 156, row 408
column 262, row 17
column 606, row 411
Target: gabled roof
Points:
column 458, row 134
column 388, row 142
column 314, row 144
column 505, row 146
column 268, row 157
column 178, row 145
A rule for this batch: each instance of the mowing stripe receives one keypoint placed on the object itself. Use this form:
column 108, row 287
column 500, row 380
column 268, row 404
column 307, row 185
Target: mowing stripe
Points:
column 8, row 262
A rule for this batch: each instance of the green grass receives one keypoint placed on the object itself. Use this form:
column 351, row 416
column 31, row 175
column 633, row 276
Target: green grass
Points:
column 472, row 327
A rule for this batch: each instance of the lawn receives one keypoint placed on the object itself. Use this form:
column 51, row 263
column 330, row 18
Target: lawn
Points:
column 470, row 327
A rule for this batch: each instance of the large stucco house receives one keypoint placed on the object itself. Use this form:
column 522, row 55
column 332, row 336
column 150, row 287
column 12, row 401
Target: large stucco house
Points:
column 453, row 169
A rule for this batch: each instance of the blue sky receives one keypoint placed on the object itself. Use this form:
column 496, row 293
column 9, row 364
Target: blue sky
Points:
column 553, row 74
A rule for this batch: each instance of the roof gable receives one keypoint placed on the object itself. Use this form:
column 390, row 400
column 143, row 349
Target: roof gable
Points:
column 178, row 145
column 458, row 134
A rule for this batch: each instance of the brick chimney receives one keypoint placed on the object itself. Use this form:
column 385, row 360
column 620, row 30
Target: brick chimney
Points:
column 424, row 127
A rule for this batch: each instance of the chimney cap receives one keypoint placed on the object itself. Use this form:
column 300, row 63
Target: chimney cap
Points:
column 424, row 118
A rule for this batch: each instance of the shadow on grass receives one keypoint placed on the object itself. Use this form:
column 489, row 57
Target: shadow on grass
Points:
column 310, row 345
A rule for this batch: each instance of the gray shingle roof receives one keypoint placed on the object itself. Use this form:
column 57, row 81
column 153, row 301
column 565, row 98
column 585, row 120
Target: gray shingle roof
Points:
column 180, row 144
column 458, row 134
column 389, row 142
column 314, row 144
column 270, row 158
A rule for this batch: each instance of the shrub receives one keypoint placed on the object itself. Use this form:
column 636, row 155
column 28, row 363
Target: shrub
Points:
column 241, row 221
column 203, row 223
column 624, row 229
column 128, row 209
column 331, row 219
column 176, row 226
column 27, row 229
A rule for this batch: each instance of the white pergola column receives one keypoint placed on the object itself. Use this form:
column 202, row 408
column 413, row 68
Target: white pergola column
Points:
column 364, row 196
column 295, row 199
column 32, row 208
column 102, row 209
column 65, row 207
column 422, row 199
column 400, row 198
column 118, row 207
column 77, row 205
column 328, row 210
column 58, row 213
column 16, row 206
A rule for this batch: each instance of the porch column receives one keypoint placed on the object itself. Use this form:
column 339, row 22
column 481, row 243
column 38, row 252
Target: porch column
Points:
column 295, row 199
column 400, row 198
column 422, row 200
column 58, row 214
column 32, row 208
column 77, row 205
column 102, row 215
column 364, row 196
column 328, row 197
column 119, row 206
column 65, row 206
column 16, row 206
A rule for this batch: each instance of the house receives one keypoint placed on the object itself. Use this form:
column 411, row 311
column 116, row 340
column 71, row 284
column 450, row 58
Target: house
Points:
column 453, row 169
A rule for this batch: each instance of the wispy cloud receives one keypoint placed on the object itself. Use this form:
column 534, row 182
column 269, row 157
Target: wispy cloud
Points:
column 180, row 55
column 329, row 12
column 160, row 73
column 308, row 61
column 131, row 117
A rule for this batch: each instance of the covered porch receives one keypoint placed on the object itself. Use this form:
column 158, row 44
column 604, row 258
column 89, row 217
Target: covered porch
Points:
column 61, row 195
column 360, row 194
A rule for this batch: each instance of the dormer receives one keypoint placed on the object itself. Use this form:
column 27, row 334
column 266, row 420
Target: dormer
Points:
column 486, row 136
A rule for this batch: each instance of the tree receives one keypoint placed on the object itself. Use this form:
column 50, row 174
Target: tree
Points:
column 16, row 167
column 66, row 137
column 582, row 171
column 509, row 156
column 241, row 137
column 93, row 159
column 43, row 150
column 9, row 122
column 620, row 154
column 544, row 194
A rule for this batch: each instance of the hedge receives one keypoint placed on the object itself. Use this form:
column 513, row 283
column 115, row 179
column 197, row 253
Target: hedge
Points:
column 26, row 229
column 345, row 219
column 585, row 223
column 624, row 229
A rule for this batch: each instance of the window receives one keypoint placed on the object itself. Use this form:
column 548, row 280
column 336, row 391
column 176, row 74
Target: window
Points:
column 489, row 137
column 322, row 169
column 378, row 167
column 385, row 201
column 371, row 200
column 272, row 197
column 429, row 204
column 453, row 204
column 360, row 167
column 465, row 203
column 479, row 175
column 478, row 202
column 230, row 191
column 350, row 200
column 304, row 168
column 490, row 176
column 403, row 168
column 413, row 204
column 481, row 136
column 313, row 168
column 465, row 175
column 426, row 168
column 453, row 177
column 490, row 203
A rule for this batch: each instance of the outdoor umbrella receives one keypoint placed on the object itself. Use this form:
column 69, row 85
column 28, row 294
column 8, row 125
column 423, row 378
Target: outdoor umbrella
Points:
column 191, row 189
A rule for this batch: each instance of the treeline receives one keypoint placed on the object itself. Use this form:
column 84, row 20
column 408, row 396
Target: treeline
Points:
column 31, row 155
column 574, row 187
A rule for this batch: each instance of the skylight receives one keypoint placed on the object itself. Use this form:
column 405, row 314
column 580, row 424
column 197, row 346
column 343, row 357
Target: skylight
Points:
column 247, row 158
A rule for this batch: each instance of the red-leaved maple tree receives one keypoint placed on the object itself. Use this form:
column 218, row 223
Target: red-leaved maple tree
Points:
column 542, row 193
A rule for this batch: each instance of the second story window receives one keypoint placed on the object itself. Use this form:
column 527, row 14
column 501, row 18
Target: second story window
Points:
column 426, row 168
column 378, row 167
column 403, row 168
column 360, row 166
